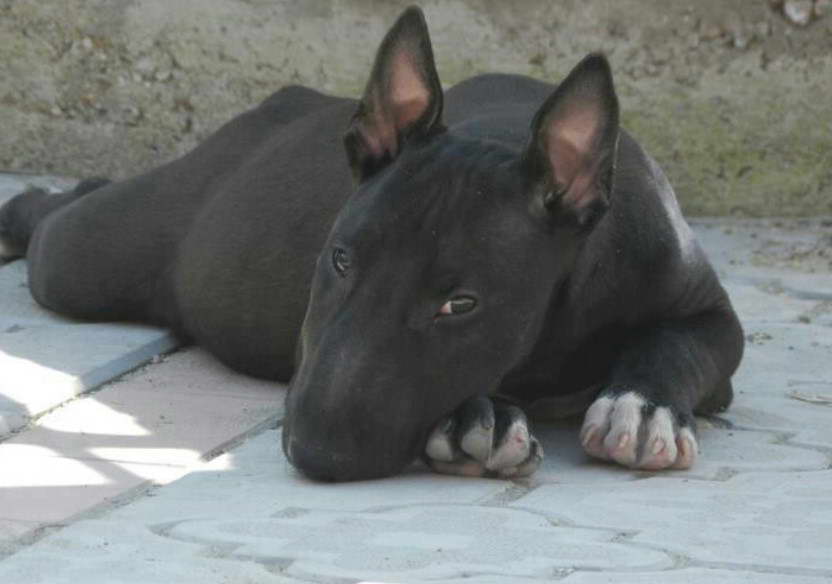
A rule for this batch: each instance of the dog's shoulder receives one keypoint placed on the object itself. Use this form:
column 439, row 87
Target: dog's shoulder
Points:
column 296, row 101
column 644, row 256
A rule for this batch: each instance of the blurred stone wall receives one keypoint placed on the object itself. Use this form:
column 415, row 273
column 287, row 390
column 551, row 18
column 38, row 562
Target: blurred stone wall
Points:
column 734, row 97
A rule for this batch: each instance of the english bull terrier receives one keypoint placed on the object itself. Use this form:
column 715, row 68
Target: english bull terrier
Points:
column 502, row 243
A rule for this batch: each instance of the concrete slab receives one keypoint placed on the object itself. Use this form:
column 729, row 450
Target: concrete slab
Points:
column 256, row 478
column 740, row 523
column 421, row 527
column 147, row 429
column 797, row 421
column 418, row 543
column 760, row 307
column 42, row 488
column 783, row 352
column 785, row 256
column 690, row 576
column 108, row 547
column 12, row 530
column 408, row 528
column 722, row 452
column 44, row 367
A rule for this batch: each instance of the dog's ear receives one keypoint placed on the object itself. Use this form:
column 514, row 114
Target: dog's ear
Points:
column 572, row 151
column 402, row 101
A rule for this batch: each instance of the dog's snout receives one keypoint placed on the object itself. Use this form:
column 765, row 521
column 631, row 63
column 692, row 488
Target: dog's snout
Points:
column 324, row 453
column 318, row 463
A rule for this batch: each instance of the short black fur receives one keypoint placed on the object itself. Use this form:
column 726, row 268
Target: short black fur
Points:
column 592, row 282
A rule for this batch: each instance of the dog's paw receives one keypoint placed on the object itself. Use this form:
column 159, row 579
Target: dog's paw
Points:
column 14, row 233
column 484, row 438
column 626, row 429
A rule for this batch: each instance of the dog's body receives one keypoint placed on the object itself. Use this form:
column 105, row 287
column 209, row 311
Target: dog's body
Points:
column 221, row 245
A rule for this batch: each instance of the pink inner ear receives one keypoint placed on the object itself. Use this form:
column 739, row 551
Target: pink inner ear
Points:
column 570, row 143
column 409, row 95
column 406, row 101
column 380, row 137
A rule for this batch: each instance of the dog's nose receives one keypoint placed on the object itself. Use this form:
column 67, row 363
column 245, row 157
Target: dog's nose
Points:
column 326, row 463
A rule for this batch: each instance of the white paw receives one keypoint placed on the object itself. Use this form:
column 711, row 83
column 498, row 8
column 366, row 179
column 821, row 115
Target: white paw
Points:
column 615, row 428
column 484, row 438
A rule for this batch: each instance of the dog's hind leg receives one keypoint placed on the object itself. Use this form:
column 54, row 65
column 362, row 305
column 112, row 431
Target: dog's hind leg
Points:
column 21, row 214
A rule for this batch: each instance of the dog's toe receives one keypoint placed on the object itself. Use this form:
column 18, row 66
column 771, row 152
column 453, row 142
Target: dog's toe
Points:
column 687, row 449
column 526, row 466
column 476, row 428
column 596, row 427
column 627, row 430
column 659, row 450
column 621, row 442
column 484, row 438
column 512, row 443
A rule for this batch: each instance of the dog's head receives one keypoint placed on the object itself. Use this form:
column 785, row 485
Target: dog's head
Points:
column 439, row 271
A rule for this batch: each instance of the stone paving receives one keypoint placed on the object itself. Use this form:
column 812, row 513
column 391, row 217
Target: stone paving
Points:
column 755, row 508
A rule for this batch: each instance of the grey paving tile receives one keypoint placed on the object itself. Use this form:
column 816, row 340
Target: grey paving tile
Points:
column 12, row 415
column 44, row 367
column 41, row 488
column 148, row 428
column 802, row 422
column 722, row 451
column 762, row 304
column 785, row 253
column 258, row 482
column 691, row 576
column 47, row 359
column 418, row 543
column 115, row 552
column 10, row 530
column 672, row 576
column 768, row 521
column 17, row 307
column 779, row 356
column 250, row 509
column 555, row 575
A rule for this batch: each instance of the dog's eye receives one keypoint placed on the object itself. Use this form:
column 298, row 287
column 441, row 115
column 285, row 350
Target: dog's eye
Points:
column 458, row 305
column 340, row 261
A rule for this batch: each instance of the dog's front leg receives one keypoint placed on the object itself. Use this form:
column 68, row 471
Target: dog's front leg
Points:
column 644, row 417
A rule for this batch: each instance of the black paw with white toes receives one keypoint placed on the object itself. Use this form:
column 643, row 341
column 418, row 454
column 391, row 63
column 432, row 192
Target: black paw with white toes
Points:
column 484, row 438
column 626, row 429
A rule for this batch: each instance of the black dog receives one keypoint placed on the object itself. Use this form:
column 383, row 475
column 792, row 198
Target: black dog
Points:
column 504, row 238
